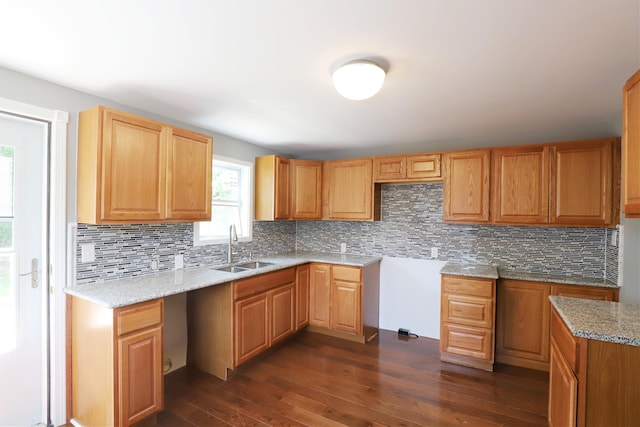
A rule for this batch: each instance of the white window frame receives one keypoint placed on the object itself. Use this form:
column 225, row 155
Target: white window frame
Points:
column 197, row 241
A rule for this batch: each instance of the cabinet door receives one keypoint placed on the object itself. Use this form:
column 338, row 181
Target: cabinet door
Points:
column 389, row 168
column 282, row 312
column 522, row 325
column 282, row 202
column 563, row 390
column 320, row 292
column 423, row 166
column 189, row 176
column 131, row 190
column 466, row 186
column 520, row 191
column 581, row 183
column 306, row 189
column 251, row 327
column 587, row 292
column 631, row 147
column 346, row 303
column 348, row 189
column 303, row 278
column 140, row 380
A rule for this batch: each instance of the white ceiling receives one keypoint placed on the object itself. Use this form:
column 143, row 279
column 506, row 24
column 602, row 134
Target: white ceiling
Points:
column 460, row 71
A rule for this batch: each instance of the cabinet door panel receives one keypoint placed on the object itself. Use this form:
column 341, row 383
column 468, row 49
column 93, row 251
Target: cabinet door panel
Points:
column 423, row 166
column 389, row 168
column 346, row 307
column 348, row 189
column 520, row 190
column 563, row 390
column 523, row 320
column 466, row 186
column 129, row 189
column 140, row 375
column 303, row 278
column 306, row 189
column 282, row 312
column 319, row 309
column 251, row 328
column 464, row 310
column 189, row 176
column 584, row 292
column 581, row 192
column 283, row 202
column 631, row 147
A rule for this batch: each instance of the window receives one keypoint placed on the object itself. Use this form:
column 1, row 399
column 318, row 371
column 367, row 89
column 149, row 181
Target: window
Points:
column 231, row 203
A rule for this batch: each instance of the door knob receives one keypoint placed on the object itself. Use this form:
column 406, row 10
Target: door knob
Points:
column 33, row 273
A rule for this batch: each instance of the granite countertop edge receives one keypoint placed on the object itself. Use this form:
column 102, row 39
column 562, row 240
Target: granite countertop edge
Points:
column 607, row 321
column 132, row 290
column 488, row 271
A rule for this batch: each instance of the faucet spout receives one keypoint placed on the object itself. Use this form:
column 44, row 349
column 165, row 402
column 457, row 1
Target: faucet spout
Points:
column 233, row 237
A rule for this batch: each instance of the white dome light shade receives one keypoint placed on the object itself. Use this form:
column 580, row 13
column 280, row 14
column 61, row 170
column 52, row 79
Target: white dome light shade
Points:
column 358, row 80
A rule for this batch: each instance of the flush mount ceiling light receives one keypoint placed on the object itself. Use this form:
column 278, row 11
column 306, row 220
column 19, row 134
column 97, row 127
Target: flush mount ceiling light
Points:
column 358, row 80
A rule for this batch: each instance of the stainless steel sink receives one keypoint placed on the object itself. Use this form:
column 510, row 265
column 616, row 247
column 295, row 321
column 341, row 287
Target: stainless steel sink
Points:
column 255, row 264
column 231, row 269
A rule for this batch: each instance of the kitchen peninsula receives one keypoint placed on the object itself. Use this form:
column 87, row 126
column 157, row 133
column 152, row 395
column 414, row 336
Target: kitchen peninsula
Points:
column 117, row 327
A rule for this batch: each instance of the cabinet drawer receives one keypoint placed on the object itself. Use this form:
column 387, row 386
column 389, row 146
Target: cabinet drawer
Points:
column 564, row 339
column 349, row 274
column 139, row 316
column 468, row 286
column 467, row 341
column 257, row 284
column 463, row 310
column 587, row 292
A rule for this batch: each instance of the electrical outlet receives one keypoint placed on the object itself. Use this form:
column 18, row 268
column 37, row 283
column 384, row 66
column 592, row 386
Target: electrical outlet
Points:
column 179, row 263
column 614, row 238
column 154, row 265
column 343, row 248
column 87, row 252
column 434, row 253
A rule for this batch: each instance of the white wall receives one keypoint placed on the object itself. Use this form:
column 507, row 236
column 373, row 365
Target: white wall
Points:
column 410, row 295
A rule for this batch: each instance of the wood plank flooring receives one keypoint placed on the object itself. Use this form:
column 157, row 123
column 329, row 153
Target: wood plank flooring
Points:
column 315, row 380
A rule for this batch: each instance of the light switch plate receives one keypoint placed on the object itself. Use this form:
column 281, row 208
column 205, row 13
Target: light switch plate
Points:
column 87, row 252
column 179, row 262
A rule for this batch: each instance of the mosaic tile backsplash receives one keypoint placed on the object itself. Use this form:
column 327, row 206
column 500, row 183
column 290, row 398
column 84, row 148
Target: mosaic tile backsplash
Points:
column 411, row 225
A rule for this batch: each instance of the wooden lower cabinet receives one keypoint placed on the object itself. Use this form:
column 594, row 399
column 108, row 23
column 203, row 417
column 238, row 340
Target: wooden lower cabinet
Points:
column 117, row 377
column 303, row 279
column 522, row 319
column 591, row 382
column 345, row 300
column 231, row 323
column 467, row 319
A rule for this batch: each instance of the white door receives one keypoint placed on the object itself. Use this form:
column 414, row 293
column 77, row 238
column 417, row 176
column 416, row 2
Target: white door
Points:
column 23, row 213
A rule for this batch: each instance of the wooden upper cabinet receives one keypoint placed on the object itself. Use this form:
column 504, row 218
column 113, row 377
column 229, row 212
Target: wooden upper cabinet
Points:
column 306, row 189
column 272, row 188
column 123, row 163
column 189, row 175
column 631, row 147
column 348, row 190
column 582, row 182
column 520, row 190
column 466, row 186
column 410, row 168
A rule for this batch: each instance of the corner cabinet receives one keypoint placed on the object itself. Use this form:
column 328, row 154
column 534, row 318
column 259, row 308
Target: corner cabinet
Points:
column 287, row 189
column 631, row 147
column 349, row 192
column 136, row 170
column 117, row 376
column 345, row 301
column 466, row 186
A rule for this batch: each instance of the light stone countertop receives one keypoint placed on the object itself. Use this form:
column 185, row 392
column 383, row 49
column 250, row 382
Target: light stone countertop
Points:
column 123, row 292
column 613, row 322
column 485, row 271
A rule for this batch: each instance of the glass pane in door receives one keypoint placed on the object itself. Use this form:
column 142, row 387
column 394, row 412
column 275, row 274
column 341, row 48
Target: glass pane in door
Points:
column 7, row 256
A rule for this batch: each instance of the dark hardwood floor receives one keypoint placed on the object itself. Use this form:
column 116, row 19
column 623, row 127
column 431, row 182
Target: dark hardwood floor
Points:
column 316, row 380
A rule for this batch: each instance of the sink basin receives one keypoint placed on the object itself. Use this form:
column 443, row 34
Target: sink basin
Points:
column 255, row 264
column 231, row 269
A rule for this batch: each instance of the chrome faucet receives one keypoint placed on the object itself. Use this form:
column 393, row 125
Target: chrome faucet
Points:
column 233, row 237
